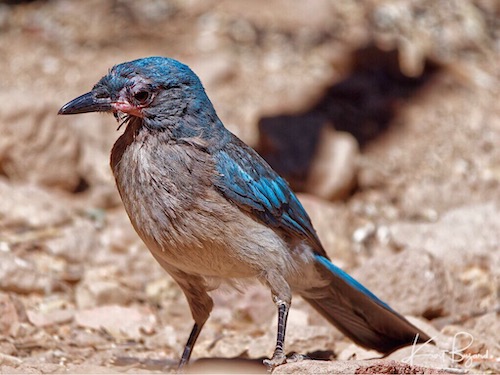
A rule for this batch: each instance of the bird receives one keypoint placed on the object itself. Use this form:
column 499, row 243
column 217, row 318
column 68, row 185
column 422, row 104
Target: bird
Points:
column 211, row 210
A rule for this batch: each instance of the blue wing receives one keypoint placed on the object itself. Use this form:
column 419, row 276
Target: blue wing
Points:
column 250, row 183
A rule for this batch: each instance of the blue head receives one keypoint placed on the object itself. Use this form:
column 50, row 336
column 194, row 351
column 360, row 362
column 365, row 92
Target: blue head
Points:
column 165, row 93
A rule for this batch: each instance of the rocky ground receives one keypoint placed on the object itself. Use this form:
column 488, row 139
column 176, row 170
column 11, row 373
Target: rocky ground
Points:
column 384, row 116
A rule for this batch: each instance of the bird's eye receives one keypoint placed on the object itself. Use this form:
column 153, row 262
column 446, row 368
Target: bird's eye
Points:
column 141, row 96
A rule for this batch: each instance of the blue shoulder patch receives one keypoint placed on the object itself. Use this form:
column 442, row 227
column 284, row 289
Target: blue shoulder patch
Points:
column 250, row 183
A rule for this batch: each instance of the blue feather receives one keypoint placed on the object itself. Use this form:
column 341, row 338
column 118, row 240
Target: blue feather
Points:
column 249, row 182
column 350, row 280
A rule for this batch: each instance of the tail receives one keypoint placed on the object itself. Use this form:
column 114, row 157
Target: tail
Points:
column 359, row 314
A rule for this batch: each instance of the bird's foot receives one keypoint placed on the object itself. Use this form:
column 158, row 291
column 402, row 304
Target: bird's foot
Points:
column 278, row 359
column 296, row 357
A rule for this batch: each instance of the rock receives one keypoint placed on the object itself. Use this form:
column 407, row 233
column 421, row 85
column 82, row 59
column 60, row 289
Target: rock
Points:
column 254, row 306
column 308, row 338
column 74, row 243
column 97, row 134
column 85, row 338
column 350, row 351
column 166, row 337
column 230, row 345
column 8, row 348
column 474, row 343
column 461, row 236
column 488, row 329
column 482, row 284
column 35, row 140
column 331, row 222
column 412, row 282
column 216, row 70
column 118, row 234
column 20, row 276
column 30, row 206
column 7, row 361
column 120, row 322
column 364, row 233
column 86, row 368
column 332, row 174
column 161, row 290
column 96, row 292
column 379, row 366
column 51, row 311
column 406, row 26
column 316, row 15
column 44, row 319
column 425, row 355
column 346, row 350
column 151, row 13
column 301, row 337
column 9, row 320
column 473, row 352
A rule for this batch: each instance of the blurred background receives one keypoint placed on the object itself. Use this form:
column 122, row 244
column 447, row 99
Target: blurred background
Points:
column 384, row 116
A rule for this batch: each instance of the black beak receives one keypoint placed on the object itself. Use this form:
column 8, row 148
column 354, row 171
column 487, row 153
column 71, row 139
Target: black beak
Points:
column 86, row 103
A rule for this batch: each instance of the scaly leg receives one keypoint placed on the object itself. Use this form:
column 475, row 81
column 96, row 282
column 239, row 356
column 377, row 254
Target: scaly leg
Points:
column 279, row 356
column 186, row 354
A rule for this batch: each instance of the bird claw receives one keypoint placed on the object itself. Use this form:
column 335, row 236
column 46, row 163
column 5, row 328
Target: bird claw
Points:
column 296, row 357
column 279, row 359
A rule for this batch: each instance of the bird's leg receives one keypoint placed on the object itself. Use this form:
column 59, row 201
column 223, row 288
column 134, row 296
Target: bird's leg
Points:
column 279, row 356
column 282, row 297
column 200, row 314
column 199, row 302
column 186, row 354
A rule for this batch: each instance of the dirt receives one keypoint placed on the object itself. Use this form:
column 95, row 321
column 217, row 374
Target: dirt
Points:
column 383, row 115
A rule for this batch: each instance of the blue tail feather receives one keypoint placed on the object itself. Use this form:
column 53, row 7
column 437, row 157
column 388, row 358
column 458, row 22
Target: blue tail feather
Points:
column 350, row 280
column 359, row 313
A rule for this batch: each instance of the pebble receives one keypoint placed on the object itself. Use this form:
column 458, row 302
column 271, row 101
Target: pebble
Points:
column 412, row 282
column 332, row 175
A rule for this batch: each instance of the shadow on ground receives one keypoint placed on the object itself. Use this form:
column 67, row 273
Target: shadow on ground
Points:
column 364, row 104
